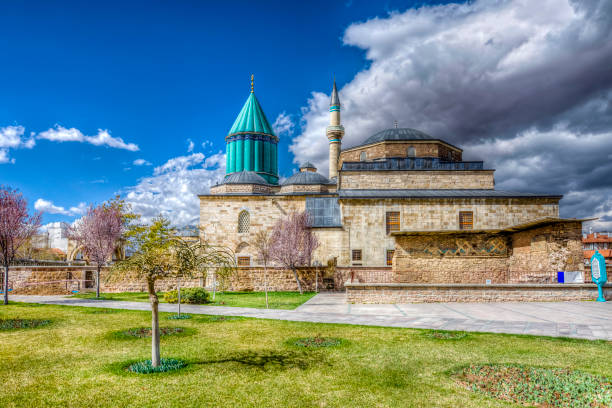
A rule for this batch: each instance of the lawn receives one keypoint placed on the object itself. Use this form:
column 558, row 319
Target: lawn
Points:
column 77, row 360
column 276, row 300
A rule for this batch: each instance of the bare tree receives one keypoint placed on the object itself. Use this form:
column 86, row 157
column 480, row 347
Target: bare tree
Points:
column 16, row 228
column 98, row 232
column 293, row 243
column 262, row 244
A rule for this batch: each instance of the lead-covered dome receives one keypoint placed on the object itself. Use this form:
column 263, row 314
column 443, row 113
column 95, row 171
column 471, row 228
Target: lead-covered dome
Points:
column 244, row 177
column 397, row 134
column 306, row 177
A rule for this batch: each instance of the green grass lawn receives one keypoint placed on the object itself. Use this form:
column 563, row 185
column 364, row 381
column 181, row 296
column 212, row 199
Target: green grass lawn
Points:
column 276, row 300
column 77, row 361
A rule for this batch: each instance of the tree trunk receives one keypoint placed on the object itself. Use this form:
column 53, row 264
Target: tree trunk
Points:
column 98, row 281
column 6, row 271
column 266, row 283
column 214, row 285
column 297, row 280
column 154, row 324
column 178, row 290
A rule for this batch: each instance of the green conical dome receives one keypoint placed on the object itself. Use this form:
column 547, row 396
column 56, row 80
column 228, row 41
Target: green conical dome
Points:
column 251, row 118
column 251, row 145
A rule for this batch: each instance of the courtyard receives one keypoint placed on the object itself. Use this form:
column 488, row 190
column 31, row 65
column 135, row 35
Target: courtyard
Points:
column 78, row 359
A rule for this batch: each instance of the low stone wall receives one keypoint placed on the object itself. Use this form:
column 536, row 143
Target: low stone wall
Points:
column 49, row 279
column 424, row 293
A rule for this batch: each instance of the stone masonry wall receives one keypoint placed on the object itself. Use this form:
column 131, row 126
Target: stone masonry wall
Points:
column 48, row 279
column 406, row 293
column 400, row 149
column 538, row 254
column 418, row 179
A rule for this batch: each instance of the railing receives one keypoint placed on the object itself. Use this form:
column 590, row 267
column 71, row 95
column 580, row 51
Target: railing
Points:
column 413, row 163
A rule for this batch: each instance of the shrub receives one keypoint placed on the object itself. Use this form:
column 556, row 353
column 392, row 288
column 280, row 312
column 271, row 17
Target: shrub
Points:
column 166, row 364
column 195, row 296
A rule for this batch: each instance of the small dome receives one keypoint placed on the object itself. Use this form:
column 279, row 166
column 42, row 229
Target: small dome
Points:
column 307, row 177
column 396, row 134
column 244, row 177
column 308, row 166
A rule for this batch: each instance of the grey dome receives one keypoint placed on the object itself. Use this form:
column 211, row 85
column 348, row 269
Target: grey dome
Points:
column 244, row 177
column 397, row 134
column 307, row 165
column 307, row 177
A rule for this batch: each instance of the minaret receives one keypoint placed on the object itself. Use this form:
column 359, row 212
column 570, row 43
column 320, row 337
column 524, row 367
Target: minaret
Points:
column 335, row 132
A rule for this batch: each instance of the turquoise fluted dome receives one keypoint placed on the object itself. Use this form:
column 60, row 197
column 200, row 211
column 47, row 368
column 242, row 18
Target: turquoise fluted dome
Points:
column 251, row 118
column 251, row 145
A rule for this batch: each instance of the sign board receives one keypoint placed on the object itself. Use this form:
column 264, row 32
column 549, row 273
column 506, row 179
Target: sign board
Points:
column 598, row 273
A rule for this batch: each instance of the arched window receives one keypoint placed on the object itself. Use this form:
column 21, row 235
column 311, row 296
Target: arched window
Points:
column 363, row 156
column 243, row 221
column 411, row 151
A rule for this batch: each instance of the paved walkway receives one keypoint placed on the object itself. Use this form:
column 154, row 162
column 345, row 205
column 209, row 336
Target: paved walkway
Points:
column 587, row 320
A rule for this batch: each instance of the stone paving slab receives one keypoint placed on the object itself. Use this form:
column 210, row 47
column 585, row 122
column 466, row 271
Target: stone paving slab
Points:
column 586, row 320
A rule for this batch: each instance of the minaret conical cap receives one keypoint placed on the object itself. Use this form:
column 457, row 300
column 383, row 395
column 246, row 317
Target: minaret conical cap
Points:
column 335, row 100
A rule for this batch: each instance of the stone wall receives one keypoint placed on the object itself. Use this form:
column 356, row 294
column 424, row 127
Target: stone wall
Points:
column 537, row 254
column 424, row 293
column 307, row 188
column 400, row 149
column 418, row 179
column 49, row 279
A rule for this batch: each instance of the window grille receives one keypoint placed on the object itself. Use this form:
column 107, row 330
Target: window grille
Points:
column 393, row 221
column 411, row 152
column 243, row 221
column 466, row 220
column 356, row 255
column 363, row 156
column 323, row 211
column 244, row 261
column 390, row 253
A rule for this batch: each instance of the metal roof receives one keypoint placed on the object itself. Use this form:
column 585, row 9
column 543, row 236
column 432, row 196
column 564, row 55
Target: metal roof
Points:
column 399, row 134
column 307, row 165
column 335, row 100
column 251, row 118
column 306, row 177
column 244, row 177
column 459, row 193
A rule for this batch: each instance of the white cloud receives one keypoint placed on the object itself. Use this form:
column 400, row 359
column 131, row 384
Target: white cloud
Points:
column 102, row 138
column 207, row 143
column 174, row 187
column 190, row 145
column 11, row 137
column 141, row 162
column 283, row 125
column 50, row 208
column 179, row 163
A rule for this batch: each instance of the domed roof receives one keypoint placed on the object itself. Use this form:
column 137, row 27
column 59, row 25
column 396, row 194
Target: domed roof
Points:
column 251, row 118
column 244, row 177
column 307, row 165
column 396, row 134
column 306, row 177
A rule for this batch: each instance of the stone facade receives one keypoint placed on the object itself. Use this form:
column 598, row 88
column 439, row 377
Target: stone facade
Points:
column 417, row 179
column 423, row 293
column 400, row 149
column 533, row 255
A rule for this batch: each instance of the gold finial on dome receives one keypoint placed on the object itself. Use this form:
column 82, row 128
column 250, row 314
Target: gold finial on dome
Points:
column 252, row 80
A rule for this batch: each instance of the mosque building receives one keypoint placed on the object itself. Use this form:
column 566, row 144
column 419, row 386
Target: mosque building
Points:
column 399, row 217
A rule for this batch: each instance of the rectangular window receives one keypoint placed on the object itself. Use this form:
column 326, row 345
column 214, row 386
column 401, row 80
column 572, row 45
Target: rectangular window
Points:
column 244, row 261
column 356, row 255
column 466, row 220
column 323, row 211
column 390, row 253
column 393, row 221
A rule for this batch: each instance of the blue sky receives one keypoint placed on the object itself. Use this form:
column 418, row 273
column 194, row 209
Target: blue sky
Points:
column 158, row 75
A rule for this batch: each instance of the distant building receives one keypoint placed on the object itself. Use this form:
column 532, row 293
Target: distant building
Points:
column 597, row 241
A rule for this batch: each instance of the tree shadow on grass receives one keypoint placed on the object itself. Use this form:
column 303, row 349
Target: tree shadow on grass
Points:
column 269, row 359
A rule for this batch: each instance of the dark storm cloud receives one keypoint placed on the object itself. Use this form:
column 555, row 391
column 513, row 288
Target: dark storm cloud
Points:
column 524, row 85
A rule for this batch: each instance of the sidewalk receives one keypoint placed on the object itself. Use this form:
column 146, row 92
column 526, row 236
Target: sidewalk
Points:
column 586, row 320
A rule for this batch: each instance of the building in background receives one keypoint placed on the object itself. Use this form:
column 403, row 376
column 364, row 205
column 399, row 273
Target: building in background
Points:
column 597, row 241
column 400, row 207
